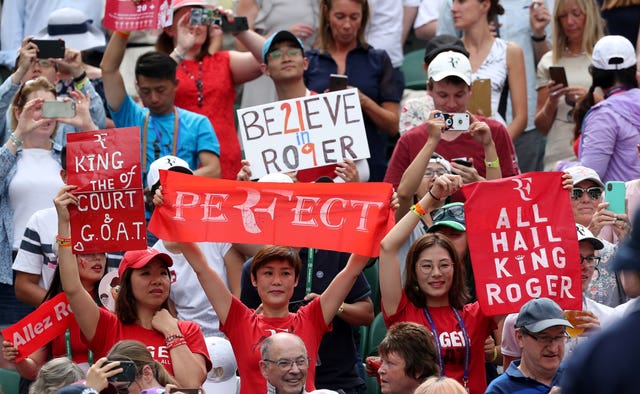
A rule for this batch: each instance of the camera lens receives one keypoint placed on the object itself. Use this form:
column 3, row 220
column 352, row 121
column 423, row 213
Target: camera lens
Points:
column 609, row 187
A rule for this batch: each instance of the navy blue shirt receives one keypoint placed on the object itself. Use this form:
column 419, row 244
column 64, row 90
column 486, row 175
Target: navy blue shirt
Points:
column 369, row 70
column 514, row 382
column 337, row 355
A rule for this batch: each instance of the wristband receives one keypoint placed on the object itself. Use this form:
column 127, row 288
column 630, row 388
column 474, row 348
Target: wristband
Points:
column 539, row 39
column 495, row 354
column 178, row 55
column 63, row 242
column 175, row 343
column 492, row 164
column 80, row 77
column 340, row 310
column 123, row 34
column 15, row 140
column 417, row 208
column 433, row 195
column 173, row 337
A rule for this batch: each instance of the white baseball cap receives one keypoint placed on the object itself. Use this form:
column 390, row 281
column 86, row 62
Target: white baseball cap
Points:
column 222, row 377
column 585, row 235
column 613, row 53
column 168, row 162
column 450, row 64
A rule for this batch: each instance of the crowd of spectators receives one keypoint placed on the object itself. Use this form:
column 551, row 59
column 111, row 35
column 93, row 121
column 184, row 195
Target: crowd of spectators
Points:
column 244, row 318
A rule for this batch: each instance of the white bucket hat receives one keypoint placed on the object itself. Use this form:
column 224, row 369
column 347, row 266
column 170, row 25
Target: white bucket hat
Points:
column 72, row 26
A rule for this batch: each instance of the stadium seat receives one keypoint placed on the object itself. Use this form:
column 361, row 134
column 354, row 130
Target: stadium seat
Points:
column 414, row 75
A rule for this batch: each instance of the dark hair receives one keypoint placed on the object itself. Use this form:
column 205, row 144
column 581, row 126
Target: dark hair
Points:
column 604, row 79
column 414, row 344
column 458, row 293
column 325, row 39
column 495, row 9
column 126, row 304
column 164, row 43
column 129, row 350
column 276, row 253
column 63, row 157
column 156, row 65
column 452, row 79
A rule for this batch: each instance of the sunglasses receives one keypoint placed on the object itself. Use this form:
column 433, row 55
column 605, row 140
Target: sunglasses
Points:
column 455, row 210
column 594, row 192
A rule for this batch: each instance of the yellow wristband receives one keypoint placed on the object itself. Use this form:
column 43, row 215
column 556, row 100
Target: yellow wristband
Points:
column 492, row 164
column 340, row 310
column 495, row 354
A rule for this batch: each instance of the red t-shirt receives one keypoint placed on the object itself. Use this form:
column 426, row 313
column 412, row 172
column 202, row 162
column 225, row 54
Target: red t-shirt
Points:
column 219, row 96
column 246, row 330
column 110, row 330
column 412, row 141
column 478, row 328
column 79, row 350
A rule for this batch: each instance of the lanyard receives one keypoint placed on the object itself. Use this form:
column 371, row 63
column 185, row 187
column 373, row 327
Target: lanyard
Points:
column 467, row 343
column 619, row 89
column 67, row 340
column 174, row 142
column 311, row 252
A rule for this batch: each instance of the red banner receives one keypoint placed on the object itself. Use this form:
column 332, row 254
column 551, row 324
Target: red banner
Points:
column 39, row 327
column 523, row 243
column 129, row 15
column 105, row 166
column 343, row 217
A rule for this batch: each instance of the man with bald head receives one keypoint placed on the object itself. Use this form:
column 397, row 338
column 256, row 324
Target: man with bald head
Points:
column 284, row 364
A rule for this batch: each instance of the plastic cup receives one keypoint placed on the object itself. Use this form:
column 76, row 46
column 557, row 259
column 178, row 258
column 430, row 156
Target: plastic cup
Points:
column 571, row 316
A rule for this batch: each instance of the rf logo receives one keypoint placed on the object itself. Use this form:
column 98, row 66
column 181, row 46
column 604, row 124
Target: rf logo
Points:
column 454, row 62
column 524, row 188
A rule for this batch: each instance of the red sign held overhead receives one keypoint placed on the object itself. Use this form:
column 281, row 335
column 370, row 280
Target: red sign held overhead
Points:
column 523, row 243
column 105, row 167
column 130, row 15
column 343, row 217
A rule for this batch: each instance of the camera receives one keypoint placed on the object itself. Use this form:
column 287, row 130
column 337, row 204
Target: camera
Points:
column 455, row 122
column 205, row 17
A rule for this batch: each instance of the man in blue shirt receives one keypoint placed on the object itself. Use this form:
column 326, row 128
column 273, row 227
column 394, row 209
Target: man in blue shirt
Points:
column 540, row 331
column 165, row 129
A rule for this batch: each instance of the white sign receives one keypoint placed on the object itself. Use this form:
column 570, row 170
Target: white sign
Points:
column 305, row 132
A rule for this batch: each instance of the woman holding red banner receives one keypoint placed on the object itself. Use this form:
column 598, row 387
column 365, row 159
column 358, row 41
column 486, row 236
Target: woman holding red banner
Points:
column 91, row 269
column 434, row 292
column 141, row 308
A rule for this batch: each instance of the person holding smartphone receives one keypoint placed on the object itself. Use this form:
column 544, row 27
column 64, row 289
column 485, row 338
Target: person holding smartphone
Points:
column 577, row 26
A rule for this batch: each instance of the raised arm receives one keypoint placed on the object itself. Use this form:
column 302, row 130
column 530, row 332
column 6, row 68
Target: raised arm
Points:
column 114, row 89
column 245, row 66
column 518, row 90
column 333, row 297
column 390, row 277
column 214, row 287
column 84, row 308
column 415, row 172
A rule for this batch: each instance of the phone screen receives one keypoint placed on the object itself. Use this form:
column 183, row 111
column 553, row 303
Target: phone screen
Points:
column 58, row 109
column 558, row 75
column 338, row 82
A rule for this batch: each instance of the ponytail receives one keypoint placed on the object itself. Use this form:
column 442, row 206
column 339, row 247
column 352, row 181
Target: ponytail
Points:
column 583, row 106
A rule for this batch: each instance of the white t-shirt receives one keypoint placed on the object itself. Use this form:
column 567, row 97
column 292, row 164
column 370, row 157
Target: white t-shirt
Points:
column 36, row 256
column 385, row 28
column 190, row 300
column 35, row 184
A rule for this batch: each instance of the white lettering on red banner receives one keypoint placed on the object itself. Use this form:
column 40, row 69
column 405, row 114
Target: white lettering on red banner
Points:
column 105, row 167
column 523, row 244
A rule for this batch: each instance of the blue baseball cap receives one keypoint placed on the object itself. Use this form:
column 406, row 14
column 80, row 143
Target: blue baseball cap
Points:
column 279, row 36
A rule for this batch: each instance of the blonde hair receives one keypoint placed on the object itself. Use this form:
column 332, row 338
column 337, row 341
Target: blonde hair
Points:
column 20, row 99
column 440, row 385
column 325, row 38
column 55, row 374
column 592, row 32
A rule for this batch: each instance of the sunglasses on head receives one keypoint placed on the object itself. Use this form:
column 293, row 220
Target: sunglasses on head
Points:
column 455, row 211
column 594, row 192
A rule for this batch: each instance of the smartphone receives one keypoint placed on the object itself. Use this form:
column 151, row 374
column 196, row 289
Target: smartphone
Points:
column 558, row 75
column 128, row 373
column 337, row 82
column 49, row 49
column 240, row 23
column 456, row 121
column 480, row 100
column 615, row 195
column 463, row 161
column 186, row 391
column 58, row 109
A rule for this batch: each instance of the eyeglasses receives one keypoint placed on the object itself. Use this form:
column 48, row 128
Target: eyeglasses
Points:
column 43, row 63
column 547, row 340
column 455, row 210
column 594, row 192
column 291, row 52
column 429, row 172
column 590, row 261
column 427, row 268
column 285, row 365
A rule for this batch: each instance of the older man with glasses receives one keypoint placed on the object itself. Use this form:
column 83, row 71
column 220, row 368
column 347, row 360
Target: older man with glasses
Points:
column 284, row 365
column 541, row 334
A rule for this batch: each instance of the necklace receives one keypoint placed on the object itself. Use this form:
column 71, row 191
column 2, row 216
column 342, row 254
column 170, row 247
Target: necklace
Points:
column 198, row 81
column 571, row 53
